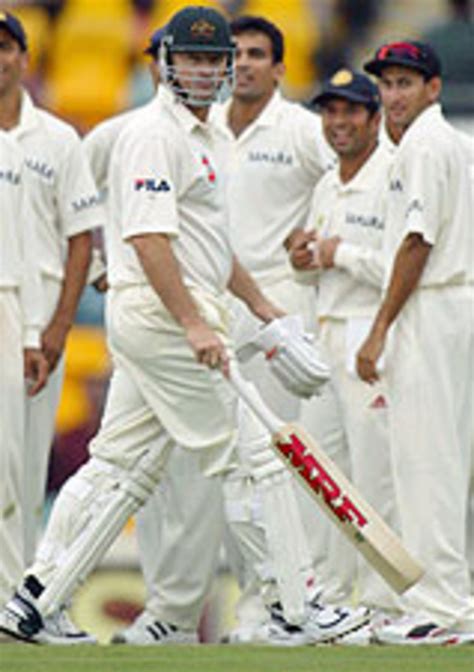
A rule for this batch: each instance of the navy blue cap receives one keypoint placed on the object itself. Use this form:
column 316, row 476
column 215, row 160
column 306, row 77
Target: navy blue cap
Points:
column 14, row 27
column 349, row 85
column 155, row 42
column 417, row 56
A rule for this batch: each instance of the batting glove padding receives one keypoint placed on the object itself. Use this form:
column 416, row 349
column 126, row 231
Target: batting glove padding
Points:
column 292, row 354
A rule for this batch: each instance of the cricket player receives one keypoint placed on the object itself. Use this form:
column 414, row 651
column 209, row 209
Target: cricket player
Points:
column 425, row 326
column 278, row 154
column 65, row 209
column 20, row 353
column 183, row 519
column 170, row 264
column 346, row 225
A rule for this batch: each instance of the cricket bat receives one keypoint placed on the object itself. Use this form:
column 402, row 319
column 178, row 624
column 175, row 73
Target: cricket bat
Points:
column 334, row 493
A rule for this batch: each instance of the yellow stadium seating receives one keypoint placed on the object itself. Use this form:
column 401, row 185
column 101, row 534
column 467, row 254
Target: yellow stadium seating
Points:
column 90, row 60
column 299, row 26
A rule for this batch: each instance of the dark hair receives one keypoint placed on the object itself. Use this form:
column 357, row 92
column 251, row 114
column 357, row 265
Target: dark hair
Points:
column 257, row 24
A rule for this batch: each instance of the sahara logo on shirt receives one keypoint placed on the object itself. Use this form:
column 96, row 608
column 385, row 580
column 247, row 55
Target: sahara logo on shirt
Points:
column 85, row 202
column 150, row 184
column 9, row 176
column 396, row 185
column 370, row 221
column 275, row 158
column 41, row 168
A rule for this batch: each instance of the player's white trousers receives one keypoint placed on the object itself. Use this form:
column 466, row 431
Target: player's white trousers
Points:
column 431, row 392
column 40, row 415
column 363, row 411
column 179, row 533
column 11, row 442
column 151, row 361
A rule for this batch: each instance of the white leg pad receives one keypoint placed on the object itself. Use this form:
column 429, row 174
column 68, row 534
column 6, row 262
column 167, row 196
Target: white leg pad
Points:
column 106, row 512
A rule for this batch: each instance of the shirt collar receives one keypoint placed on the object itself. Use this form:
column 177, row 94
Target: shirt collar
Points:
column 179, row 111
column 267, row 117
column 28, row 115
column 364, row 178
column 423, row 120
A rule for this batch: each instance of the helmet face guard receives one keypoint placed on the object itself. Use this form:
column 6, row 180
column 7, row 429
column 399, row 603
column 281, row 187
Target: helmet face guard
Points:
column 198, row 30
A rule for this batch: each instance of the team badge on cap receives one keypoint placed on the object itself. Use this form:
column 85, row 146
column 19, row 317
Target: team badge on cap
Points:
column 203, row 29
column 342, row 78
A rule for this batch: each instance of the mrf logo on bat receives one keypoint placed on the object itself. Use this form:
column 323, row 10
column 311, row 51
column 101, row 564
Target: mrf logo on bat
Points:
column 318, row 479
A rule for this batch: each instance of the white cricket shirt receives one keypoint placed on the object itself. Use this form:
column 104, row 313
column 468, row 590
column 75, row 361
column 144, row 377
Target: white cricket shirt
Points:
column 355, row 211
column 62, row 191
column 431, row 194
column 165, row 178
column 273, row 168
column 19, row 252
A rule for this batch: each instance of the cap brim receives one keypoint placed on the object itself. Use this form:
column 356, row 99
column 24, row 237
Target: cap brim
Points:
column 375, row 67
column 351, row 96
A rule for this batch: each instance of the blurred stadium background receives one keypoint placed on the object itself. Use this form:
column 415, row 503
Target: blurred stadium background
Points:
column 87, row 64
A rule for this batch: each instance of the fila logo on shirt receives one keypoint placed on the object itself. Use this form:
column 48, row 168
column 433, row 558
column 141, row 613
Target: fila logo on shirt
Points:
column 150, row 184
column 9, row 176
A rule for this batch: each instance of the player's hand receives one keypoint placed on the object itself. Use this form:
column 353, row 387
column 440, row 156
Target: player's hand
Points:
column 101, row 285
column 53, row 341
column 368, row 356
column 35, row 370
column 207, row 347
column 302, row 250
column 327, row 250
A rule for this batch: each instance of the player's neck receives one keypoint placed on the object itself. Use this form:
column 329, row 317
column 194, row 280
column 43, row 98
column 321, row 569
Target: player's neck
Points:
column 201, row 113
column 10, row 107
column 349, row 166
column 242, row 113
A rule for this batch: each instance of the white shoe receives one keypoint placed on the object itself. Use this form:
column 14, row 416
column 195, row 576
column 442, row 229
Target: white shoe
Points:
column 21, row 620
column 323, row 624
column 147, row 631
column 327, row 623
column 416, row 631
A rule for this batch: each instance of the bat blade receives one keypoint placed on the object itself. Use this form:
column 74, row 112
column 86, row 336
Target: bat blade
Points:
column 339, row 499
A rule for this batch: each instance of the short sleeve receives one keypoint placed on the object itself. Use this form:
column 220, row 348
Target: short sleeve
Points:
column 148, row 177
column 77, row 197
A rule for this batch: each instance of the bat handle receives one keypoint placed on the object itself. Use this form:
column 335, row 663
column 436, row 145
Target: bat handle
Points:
column 249, row 394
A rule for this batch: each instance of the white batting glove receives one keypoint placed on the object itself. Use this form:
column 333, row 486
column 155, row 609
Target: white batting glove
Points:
column 293, row 356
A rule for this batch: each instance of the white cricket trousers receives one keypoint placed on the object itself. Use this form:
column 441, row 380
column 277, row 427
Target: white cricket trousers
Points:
column 431, row 391
column 363, row 412
column 179, row 534
column 12, row 390
column 40, row 416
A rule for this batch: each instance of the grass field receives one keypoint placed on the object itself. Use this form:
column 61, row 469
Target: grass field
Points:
column 29, row 658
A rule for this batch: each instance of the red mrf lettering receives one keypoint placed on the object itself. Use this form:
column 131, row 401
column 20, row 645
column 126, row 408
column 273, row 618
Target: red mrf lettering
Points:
column 301, row 458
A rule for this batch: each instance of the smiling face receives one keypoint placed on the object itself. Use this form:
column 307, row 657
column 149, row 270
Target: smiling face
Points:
column 349, row 127
column 256, row 73
column 406, row 94
column 13, row 63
